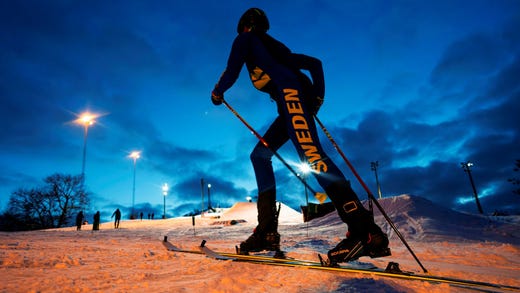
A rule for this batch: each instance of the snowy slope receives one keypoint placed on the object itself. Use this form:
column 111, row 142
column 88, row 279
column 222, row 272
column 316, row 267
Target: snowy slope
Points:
column 420, row 219
column 430, row 222
column 133, row 259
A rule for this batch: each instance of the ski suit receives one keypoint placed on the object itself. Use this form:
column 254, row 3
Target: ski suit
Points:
column 274, row 69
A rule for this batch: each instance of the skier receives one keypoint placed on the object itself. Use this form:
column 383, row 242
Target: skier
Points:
column 274, row 69
column 97, row 218
column 117, row 215
column 79, row 220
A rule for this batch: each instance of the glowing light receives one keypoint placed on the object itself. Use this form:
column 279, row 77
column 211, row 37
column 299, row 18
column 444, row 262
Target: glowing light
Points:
column 466, row 165
column 135, row 155
column 165, row 189
column 87, row 118
column 305, row 168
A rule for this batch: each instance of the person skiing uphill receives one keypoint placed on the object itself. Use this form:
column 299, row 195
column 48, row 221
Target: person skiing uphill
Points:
column 274, row 69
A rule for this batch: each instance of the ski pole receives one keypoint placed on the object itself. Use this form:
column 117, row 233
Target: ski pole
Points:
column 370, row 195
column 319, row 196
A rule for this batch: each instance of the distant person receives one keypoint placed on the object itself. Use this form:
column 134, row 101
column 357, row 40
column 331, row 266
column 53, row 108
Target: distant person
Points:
column 153, row 214
column 141, row 215
column 97, row 218
column 275, row 70
column 79, row 220
column 117, row 215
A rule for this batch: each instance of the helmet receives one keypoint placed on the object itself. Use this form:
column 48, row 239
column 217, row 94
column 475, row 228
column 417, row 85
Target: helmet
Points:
column 255, row 19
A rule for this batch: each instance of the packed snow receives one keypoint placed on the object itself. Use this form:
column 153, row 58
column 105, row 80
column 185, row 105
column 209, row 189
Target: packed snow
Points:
column 133, row 259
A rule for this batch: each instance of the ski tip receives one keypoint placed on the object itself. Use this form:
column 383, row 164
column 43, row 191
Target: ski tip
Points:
column 203, row 243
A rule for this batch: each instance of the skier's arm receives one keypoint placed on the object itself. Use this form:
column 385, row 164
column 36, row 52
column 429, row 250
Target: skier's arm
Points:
column 235, row 62
column 313, row 65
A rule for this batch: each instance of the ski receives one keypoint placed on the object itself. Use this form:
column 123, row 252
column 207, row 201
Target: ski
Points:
column 392, row 270
column 203, row 249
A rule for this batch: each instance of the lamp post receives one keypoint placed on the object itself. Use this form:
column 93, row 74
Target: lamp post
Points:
column 134, row 155
column 306, row 169
column 165, row 193
column 373, row 167
column 86, row 119
column 202, row 197
column 209, row 198
column 466, row 166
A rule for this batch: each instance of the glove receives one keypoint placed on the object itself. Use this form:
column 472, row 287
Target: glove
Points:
column 217, row 99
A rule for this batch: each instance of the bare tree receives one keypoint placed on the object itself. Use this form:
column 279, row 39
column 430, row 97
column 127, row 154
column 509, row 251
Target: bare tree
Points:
column 67, row 196
column 28, row 206
column 52, row 205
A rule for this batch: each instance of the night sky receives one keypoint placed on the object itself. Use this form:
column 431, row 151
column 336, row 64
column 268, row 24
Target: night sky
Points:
column 418, row 86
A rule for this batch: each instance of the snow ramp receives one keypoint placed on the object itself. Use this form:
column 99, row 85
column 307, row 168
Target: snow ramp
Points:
column 247, row 211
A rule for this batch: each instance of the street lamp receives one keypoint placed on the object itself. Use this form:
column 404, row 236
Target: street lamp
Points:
column 202, row 197
column 86, row 119
column 165, row 193
column 466, row 166
column 209, row 198
column 134, row 155
column 373, row 167
column 305, row 169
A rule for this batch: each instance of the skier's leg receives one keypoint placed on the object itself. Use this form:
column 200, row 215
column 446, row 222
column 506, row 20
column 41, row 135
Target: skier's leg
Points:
column 266, row 232
column 261, row 156
column 369, row 239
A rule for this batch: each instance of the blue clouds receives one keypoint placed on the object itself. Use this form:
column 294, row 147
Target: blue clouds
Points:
column 419, row 87
column 466, row 110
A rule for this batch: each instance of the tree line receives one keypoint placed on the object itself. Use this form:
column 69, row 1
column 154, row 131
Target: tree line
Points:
column 52, row 205
column 56, row 203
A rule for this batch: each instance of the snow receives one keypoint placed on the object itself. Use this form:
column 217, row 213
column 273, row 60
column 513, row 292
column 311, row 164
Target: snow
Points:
column 132, row 258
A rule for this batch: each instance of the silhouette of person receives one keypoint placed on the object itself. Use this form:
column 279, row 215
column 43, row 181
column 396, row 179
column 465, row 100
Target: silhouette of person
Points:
column 141, row 215
column 79, row 220
column 276, row 70
column 97, row 217
column 117, row 215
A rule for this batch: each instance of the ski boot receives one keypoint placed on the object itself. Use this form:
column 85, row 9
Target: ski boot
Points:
column 260, row 242
column 374, row 245
column 265, row 236
column 364, row 238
